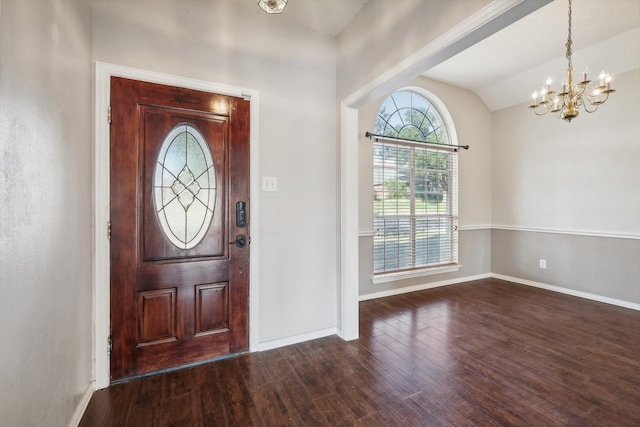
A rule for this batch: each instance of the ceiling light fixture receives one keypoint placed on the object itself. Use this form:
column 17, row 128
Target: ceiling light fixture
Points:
column 573, row 96
column 272, row 6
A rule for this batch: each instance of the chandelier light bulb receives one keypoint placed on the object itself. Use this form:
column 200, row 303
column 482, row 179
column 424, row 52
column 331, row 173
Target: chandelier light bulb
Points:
column 602, row 76
column 607, row 80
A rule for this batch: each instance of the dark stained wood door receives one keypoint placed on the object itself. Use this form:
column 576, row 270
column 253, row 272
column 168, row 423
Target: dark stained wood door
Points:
column 179, row 284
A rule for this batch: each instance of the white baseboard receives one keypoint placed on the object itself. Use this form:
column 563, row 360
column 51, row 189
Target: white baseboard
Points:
column 269, row 345
column 422, row 287
column 594, row 297
column 82, row 406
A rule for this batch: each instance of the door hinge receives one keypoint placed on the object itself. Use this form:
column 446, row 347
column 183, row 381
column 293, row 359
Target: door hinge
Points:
column 109, row 114
column 109, row 230
column 109, row 345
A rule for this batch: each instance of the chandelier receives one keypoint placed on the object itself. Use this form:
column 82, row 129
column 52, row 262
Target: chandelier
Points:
column 567, row 103
column 272, row 6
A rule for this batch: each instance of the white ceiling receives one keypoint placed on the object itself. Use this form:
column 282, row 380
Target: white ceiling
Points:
column 505, row 68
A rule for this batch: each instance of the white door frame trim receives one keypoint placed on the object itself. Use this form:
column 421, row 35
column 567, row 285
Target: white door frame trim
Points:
column 492, row 18
column 101, row 169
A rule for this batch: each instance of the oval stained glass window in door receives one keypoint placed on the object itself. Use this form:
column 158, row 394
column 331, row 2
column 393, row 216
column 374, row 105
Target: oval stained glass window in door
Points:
column 184, row 186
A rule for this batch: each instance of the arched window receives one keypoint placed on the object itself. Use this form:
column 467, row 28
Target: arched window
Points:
column 415, row 187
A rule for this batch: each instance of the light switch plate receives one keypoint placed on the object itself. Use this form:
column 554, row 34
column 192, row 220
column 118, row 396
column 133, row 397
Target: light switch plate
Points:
column 269, row 183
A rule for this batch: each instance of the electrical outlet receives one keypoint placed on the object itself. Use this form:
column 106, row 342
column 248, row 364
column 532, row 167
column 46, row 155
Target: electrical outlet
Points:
column 543, row 263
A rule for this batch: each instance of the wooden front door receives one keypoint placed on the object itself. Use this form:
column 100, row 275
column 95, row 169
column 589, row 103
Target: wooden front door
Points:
column 179, row 211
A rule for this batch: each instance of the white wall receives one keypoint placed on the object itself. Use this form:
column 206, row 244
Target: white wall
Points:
column 570, row 193
column 472, row 122
column 294, row 71
column 45, row 210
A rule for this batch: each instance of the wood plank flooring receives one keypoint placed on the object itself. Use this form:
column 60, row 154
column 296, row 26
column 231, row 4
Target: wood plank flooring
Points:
column 482, row 353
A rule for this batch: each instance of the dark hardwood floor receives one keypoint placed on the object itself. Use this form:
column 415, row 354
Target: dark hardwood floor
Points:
column 483, row 353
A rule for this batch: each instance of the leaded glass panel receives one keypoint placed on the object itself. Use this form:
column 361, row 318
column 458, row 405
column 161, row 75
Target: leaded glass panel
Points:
column 184, row 186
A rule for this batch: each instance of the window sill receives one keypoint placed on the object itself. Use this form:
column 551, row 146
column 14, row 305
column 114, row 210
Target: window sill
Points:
column 392, row 277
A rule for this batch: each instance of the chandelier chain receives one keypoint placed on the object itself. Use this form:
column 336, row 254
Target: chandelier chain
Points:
column 569, row 41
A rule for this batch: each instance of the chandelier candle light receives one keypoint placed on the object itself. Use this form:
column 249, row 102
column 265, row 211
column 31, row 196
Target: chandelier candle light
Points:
column 567, row 103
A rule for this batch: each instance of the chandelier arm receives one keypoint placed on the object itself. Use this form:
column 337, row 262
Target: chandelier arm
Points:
column 592, row 99
column 538, row 111
column 595, row 107
column 595, row 101
column 578, row 101
column 601, row 100
column 580, row 90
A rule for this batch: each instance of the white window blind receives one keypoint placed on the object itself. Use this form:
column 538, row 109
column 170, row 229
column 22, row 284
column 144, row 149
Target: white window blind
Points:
column 416, row 191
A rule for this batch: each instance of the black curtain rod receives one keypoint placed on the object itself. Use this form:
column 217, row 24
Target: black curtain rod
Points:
column 393, row 138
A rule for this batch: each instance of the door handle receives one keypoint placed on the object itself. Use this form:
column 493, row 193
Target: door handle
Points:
column 241, row 241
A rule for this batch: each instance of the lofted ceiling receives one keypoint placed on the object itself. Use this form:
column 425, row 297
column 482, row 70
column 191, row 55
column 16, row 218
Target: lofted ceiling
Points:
column 506, row 67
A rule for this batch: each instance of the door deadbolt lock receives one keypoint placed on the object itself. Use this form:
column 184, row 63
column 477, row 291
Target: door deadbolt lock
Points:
column 241, row 241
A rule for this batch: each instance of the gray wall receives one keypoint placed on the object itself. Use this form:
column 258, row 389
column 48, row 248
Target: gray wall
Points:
column 602, row 266
column 45, row 210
